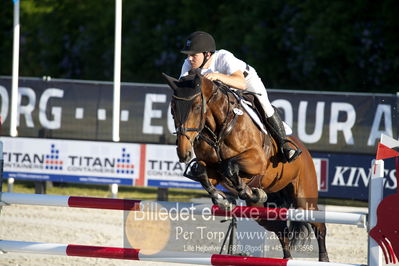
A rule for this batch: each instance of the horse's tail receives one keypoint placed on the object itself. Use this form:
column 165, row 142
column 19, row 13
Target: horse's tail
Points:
column 299, row 233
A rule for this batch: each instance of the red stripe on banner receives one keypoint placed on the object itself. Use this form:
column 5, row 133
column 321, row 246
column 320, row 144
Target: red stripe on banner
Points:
column 238, row 260
column 323, row 175
column 397, row 173
column 143, row 159
column 108, row 204
column 252, row 212
column 103, row 252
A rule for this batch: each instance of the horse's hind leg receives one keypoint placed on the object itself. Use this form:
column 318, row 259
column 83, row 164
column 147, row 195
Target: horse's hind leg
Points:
column 280, row 228
column 319, row 229
column 320, row 232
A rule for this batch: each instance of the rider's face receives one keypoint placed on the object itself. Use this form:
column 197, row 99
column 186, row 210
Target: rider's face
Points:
column 196, row 60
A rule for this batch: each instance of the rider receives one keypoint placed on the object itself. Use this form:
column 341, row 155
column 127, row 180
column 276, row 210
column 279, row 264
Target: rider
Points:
column 223, row 66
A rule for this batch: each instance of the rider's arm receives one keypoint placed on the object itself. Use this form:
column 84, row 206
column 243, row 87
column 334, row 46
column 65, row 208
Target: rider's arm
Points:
column 235, row 80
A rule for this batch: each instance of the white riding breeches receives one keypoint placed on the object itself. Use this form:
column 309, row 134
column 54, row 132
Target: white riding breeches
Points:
column 255, row 84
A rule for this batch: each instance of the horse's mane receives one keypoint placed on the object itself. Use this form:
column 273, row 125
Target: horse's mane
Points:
column 242, row 94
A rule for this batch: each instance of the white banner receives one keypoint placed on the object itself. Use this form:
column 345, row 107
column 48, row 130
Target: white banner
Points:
column 163, row 168
column 71, row 160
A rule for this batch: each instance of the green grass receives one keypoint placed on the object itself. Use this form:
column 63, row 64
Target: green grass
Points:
column 343, row 202
column 142, row 193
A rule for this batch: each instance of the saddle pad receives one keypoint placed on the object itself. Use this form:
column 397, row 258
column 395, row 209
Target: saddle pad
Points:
column 247, row 107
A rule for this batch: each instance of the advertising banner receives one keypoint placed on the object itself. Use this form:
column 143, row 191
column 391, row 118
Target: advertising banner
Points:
column 347, row 176
column 339, row 175
column 94, row 162
column 71, row 161
column 340, row 129
column 71, row 109
column 163, row 168
column 338, row 122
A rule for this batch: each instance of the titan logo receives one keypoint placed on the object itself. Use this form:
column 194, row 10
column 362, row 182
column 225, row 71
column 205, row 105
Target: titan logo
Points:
column 53, row 161
column 165, row 165
column 124, row 165
column 121, row 165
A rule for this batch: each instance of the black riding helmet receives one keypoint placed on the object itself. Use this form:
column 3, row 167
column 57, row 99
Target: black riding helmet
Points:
column 199, row 42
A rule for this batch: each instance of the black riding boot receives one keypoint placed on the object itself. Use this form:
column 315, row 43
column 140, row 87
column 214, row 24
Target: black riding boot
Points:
column 276, row 129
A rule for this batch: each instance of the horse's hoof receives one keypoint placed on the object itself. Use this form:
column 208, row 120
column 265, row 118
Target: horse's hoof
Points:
column 260, row 195
column 324, row 257
column 227, row 206
column 224, row 204
column 221, row 201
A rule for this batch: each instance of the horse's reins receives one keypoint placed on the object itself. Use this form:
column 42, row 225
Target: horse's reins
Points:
column 216, row 140
column 209, row 136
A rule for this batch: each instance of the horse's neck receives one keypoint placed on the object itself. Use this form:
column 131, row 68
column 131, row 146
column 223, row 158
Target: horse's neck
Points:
column 218, row 111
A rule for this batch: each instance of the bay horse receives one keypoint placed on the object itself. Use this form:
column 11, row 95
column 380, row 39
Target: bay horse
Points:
column 231, row 150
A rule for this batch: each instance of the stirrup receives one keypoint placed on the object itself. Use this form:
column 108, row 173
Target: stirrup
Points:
column 297, row 151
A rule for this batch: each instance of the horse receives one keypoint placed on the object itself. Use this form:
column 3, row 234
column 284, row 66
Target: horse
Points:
column 231, row 150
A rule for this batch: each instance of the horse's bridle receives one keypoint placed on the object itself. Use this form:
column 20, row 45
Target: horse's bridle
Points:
column 180, row 130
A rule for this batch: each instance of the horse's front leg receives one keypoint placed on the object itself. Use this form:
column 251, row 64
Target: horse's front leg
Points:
column 199, row 174
column 231, row 169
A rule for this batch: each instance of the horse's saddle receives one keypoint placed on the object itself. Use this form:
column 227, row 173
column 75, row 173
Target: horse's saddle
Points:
column 254, row 109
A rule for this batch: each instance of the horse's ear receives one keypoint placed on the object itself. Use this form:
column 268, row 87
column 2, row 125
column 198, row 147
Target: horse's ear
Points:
column 171, row 81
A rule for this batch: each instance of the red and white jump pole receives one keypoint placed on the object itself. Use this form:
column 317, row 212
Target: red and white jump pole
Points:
column 136, row 254
column 195, row 209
